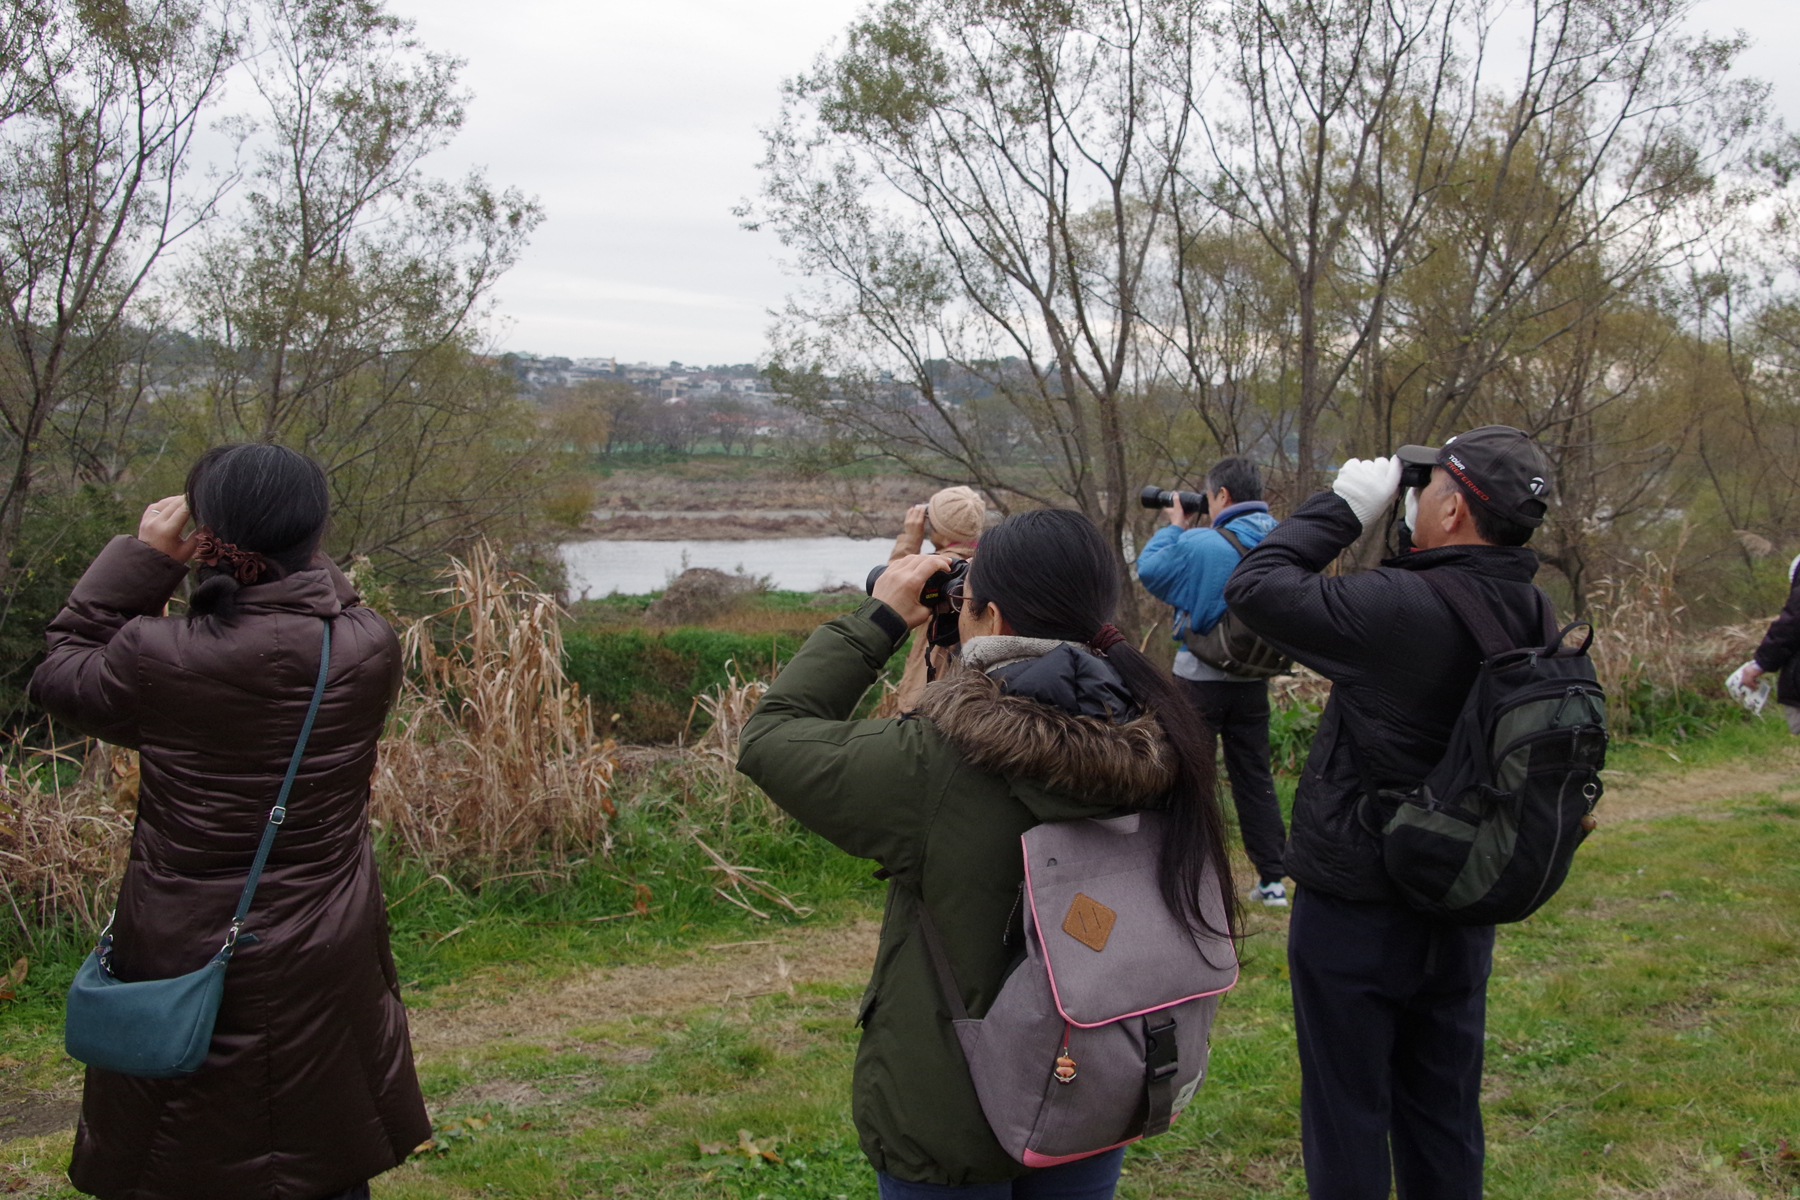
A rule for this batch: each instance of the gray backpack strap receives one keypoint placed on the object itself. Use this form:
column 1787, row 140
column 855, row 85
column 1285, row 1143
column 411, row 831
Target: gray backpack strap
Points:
column 940, row 964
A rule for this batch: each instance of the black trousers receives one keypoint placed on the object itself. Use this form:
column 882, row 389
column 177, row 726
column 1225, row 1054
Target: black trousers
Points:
column 1389, row 1010
column 1239, row 713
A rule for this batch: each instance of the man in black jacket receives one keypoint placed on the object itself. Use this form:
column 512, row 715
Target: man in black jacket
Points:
column 1389, row 1006
column 1777, row 651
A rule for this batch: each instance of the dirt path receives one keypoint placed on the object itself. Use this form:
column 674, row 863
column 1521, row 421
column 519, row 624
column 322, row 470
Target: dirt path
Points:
column 1641, row 795
column 712, row 976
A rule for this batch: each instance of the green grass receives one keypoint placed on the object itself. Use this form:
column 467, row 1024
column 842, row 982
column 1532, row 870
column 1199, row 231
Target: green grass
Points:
column 1641, row 1035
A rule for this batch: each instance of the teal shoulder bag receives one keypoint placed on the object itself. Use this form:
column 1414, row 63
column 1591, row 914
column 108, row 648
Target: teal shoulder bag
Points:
column 162, row 1028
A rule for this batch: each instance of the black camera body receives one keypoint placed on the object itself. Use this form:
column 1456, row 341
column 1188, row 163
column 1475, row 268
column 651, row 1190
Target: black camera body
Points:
column 1415, row 475
column 936, row 591
column 1194, row 504
column 941, row 630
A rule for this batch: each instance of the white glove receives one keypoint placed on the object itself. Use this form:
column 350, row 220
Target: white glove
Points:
column 1751, row 698
column 1368, row 486
column 1412, row 510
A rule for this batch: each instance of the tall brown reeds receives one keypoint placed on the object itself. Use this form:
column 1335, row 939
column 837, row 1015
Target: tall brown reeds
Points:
column 728, row 707
column 1645, row 652
column 63, row 845
column 491, row 761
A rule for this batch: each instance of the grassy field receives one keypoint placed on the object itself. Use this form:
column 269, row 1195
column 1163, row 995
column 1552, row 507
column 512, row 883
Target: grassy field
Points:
column 1644, row 1033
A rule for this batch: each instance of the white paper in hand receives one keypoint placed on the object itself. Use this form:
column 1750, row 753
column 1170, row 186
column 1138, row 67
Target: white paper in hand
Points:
column 1751, row 698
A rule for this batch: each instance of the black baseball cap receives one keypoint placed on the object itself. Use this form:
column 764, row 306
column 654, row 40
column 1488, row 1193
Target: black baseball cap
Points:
column 1501, row 468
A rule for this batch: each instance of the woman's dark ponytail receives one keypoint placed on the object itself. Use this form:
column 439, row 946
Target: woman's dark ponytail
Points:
column 214, row 595
column 268, row 501
column 1054, row 576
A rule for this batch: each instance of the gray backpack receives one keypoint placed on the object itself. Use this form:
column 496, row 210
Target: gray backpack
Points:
column 1099, row 1036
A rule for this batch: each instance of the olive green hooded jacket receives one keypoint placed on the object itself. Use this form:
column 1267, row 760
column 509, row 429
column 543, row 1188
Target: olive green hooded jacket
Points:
column 939, row 798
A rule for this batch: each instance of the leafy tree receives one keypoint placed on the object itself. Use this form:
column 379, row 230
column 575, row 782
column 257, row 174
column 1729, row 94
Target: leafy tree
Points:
column 342, row 300
column 99, row 106
column 979, row 193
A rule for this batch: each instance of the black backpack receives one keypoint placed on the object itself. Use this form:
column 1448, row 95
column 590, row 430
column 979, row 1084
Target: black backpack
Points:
column 1232, row 646
column 1489, row 836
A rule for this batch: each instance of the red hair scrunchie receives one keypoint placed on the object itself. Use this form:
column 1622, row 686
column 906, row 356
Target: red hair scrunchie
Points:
column 1106, row 639
column 246, row 566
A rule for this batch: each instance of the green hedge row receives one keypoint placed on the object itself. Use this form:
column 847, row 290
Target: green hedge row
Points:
column 643, row 682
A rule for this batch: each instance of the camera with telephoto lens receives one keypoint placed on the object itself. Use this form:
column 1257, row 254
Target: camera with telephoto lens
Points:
column 1192, row 503
column 934, row 595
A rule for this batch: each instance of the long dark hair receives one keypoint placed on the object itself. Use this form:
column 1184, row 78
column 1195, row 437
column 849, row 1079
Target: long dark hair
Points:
column 261, row 498
column 1054, row 576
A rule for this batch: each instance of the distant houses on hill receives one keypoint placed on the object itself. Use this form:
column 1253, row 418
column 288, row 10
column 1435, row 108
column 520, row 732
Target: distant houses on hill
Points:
column 675, row 381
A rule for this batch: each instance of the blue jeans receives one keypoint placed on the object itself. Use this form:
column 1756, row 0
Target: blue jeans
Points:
column 1084, row 1179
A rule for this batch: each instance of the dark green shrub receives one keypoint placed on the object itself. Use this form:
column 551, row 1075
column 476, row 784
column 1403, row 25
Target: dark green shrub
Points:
column 643, row 682
column 60, row 536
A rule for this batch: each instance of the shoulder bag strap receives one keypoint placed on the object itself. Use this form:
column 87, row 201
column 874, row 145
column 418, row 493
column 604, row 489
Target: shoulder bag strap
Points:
column 1233, row 539
column 278, row 814
column 1468, row 605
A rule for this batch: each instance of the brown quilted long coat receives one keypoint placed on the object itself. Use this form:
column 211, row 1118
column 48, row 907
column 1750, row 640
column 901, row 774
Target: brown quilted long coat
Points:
column 309, row 1088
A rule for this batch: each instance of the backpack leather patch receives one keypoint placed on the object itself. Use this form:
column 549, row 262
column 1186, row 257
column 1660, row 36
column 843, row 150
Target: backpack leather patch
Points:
column 1089, row 921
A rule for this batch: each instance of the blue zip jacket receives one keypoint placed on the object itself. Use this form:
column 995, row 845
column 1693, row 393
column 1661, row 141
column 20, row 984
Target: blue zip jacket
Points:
column 1188, row 567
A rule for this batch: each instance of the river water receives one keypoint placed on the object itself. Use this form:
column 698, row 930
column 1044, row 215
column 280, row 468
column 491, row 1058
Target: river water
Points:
column 631, row 568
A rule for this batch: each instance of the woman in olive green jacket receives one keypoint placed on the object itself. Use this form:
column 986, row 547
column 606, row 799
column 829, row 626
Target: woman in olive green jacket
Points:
column 1051, row 716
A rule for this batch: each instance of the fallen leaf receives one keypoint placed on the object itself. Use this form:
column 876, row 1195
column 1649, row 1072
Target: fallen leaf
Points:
column 749, row 1149
column 11, row 981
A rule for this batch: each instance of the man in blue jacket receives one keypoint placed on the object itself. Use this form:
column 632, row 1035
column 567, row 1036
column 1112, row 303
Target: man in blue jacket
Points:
column 1188, row 567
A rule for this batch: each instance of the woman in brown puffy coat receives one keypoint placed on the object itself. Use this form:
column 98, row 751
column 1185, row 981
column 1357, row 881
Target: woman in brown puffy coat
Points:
column 309, row 1089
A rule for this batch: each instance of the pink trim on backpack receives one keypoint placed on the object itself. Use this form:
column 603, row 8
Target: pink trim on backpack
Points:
column 1049, row 970
column 1034, row 1159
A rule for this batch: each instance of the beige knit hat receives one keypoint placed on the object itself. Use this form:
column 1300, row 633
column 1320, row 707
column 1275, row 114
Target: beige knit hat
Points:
column 957, row 515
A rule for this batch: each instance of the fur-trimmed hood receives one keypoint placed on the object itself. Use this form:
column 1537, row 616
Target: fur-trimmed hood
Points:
column 1123, row 763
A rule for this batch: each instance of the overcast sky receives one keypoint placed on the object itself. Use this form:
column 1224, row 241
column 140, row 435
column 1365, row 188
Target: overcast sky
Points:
column 636, row 125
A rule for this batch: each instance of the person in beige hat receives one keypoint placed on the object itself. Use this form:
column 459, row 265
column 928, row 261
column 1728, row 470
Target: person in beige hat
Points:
column 952, row 519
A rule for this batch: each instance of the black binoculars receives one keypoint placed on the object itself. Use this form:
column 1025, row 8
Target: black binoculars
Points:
column 1192, row 503
column 1415, row 475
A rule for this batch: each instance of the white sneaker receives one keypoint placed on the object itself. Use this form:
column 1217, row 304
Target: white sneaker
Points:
column 1272, row 895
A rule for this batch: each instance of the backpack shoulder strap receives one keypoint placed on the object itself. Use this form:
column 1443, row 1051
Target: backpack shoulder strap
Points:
column 1477, row 617
column 940, row 963
column 1547, row 607
column 1233, row 539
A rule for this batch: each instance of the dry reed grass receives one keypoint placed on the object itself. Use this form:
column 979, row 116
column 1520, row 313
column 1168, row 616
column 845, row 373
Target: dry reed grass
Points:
column 491, row 759
column 63, row 847
column 1644, row 649
column 711, row 762
column 1299, row 685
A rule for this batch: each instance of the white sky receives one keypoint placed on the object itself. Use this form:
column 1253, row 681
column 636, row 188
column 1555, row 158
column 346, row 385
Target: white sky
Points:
column 636, row 125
